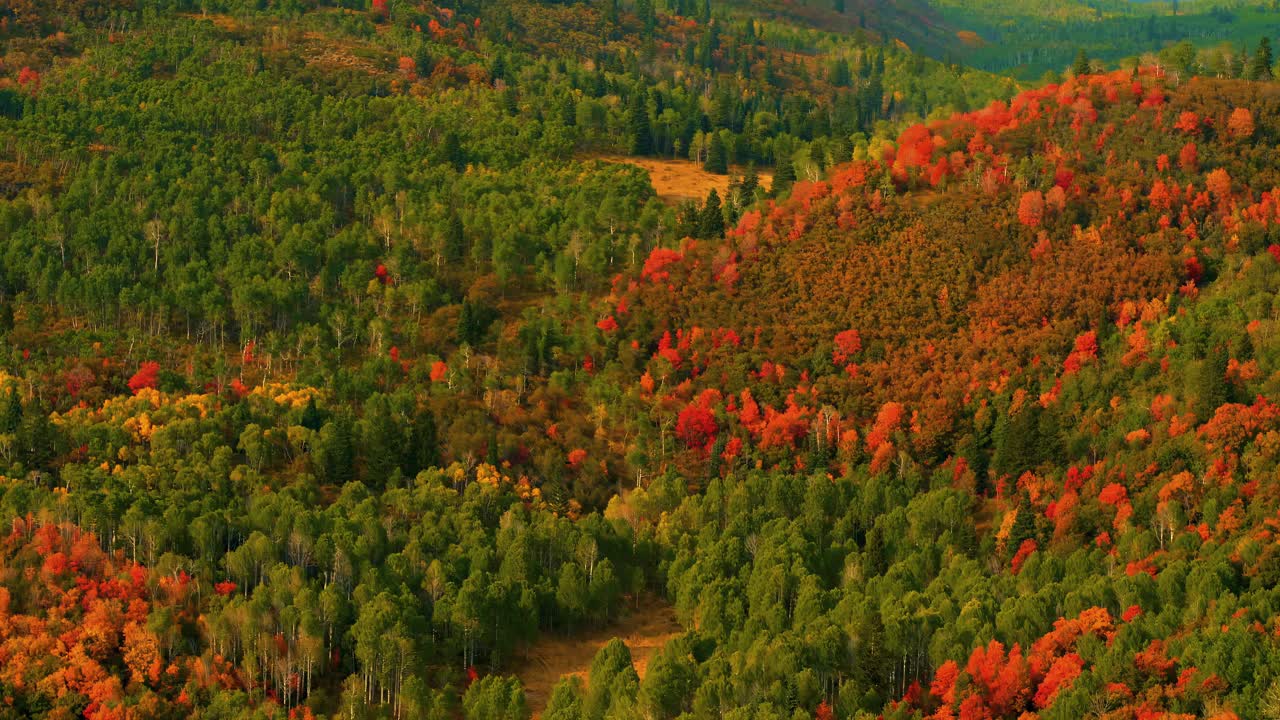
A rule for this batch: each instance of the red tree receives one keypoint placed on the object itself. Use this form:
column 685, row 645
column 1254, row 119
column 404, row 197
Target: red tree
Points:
column 1240, row 125
column 1189, row 158
column 848, row 344
column 696, row 426
column 146, row 377
column 1031, row 208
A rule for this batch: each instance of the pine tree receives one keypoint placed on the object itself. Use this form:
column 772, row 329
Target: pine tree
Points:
column 1260, row 66
column 423, row 450
column 784, row 173
column 648, row 19
column 638, row 123
column 455, row 239
column 750, row 183
column 717, row 156
column 711, row 225
column 10, row 413
column 312, row 418
column 1210, row 379
column 1081, row 65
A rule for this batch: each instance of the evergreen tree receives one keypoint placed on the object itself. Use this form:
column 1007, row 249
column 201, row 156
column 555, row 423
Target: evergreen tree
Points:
column 612, row 662
column 10, row 413
column 423, row 450
column 312, row 418
column 717, row 156
column 648, row 18
column 1210, row 384
column 784, row 174
column 1016, row 438
column 1260, row 66
column 1081, row 66
column 712, row 222
column 455, row 239
column 638, row 123
column 750, row 183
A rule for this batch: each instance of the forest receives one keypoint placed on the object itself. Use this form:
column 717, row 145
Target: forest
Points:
column 344, row 366
column 1029, row 38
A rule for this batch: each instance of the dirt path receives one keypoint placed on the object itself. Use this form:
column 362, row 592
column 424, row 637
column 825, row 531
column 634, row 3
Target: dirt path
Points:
column 644, row 630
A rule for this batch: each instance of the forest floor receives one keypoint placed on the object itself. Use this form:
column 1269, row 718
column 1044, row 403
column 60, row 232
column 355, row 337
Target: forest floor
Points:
column 678, row 180
column 644, row 629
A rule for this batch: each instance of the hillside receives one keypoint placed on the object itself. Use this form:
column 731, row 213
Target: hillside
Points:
column 1027, row 38
column 362, row 360
column 912, row 22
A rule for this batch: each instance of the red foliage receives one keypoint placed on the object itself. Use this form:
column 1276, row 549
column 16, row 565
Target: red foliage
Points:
column 1189, row 158
column 438, row 371
column 1153, row 660
column 1031, row 208
column 608, row 324
column 224, row 588
column 847, row 344
column 146, row 377
column 576, row 456
column 29, row 78
column 657, row 265
column 1024, row 551
column 1060, row 676
column 1240, row 125
column 1193, row 268
column 824, row 712
column 1113, row 494
column 696, row 426
column 944, row 682
column 888, row 420
column 1084, row 351
column 1188, row 122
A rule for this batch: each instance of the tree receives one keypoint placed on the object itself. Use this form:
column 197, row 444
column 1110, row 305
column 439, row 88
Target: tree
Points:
column 638, row 124
column 1261, row 63
column 1031, row 208
column 669, row 682
column 610, row 664
column 495, row 698
column 1081, row 66
column 565, row 702
column 717, row 156
column 784, row 174
column 1240, row 125
column 1210, row 388
column 711, row 223
column 146, row 378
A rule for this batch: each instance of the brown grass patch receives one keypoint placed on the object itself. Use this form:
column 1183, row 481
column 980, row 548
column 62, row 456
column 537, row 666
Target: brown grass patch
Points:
column 644, row 630
column 970, row 38
column 678, row 180
column 223, row 22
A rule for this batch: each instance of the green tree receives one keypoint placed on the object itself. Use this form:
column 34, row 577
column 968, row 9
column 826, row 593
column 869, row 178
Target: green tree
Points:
column 717, row 156
column 711, row 224
column 495, row 698
column 1262, row 62
column 1081, row 66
